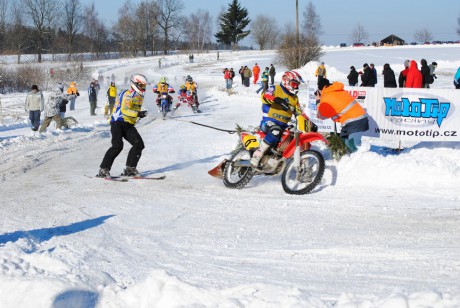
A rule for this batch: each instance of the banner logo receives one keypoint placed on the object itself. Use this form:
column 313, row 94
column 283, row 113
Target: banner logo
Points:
column 425, row 108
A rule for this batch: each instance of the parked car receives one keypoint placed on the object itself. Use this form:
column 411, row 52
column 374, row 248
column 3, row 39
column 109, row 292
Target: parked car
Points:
column 413, row 43
column 343, row 45
column 358, row 45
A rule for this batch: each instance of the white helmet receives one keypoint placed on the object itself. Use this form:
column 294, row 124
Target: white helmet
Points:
column 291, row 81
column 139, row 83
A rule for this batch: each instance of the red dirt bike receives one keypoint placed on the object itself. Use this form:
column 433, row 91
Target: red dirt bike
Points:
column 187, row 98
column 302, row 168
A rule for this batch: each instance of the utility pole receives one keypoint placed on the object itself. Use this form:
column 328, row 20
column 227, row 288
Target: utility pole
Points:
column 297, row 31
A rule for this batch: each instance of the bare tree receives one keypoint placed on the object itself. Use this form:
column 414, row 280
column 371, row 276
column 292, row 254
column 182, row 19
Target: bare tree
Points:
column 264, row 31
column 18, row 30
column 169, row 20
column 135, row 27
column 94, row 29
column 458, row 29
column 198, row 28
column 312, row 22
column 4, row 4
column 43, row 14
column 73, row 22
column 359, row 34
column 423, row 35
column 289, row 51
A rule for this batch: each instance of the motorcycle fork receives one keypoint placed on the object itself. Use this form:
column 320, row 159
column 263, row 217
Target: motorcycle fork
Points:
column 297, row 152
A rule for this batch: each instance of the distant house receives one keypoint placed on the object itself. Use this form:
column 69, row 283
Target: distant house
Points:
column 392, row 40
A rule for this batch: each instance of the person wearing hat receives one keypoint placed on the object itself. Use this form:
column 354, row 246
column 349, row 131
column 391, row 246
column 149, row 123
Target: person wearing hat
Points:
column 72, row 90
column 320, row 72
column 367, row 78
column 35, row 104
column 403, row 74
column 337, row 104
column 352, row 77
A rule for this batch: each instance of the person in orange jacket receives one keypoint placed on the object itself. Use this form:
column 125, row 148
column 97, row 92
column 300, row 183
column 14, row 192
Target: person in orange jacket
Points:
column 337, row 104
column 255, row 73
column 414, row 78
column 72, row 90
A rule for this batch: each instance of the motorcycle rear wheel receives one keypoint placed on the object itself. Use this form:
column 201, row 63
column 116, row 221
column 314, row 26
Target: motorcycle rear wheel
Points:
column 237, row 177
column 312, row 167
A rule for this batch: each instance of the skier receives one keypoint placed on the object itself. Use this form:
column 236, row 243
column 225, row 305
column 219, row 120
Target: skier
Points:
column 127, row 110
column 279, row 103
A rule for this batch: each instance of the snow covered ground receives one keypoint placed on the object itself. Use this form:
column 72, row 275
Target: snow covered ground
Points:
column 381, row 230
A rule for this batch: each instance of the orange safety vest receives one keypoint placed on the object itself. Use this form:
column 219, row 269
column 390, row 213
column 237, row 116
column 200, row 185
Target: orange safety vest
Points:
column 339, row 105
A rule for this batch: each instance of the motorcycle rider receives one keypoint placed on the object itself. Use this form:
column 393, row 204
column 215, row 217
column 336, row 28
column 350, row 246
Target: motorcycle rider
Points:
column 192, row 86
column 279, row 103
column 127, row 110
column 181, row 93
column 163, row 87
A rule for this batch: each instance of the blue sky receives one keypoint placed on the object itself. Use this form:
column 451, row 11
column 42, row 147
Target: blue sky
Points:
column 338, row 17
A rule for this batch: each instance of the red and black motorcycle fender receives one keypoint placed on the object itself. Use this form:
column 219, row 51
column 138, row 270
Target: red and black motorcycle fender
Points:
column 304, row 142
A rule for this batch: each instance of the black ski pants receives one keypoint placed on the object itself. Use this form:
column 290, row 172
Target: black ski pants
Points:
column 127, row 131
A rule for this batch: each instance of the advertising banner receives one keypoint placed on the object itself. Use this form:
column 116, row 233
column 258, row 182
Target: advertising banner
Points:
column 404, row 114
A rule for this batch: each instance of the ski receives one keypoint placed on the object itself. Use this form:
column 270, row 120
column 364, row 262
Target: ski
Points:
column 122, row 178
column 139, row 177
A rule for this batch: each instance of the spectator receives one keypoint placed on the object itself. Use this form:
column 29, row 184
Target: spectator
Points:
column 256, row 72
column 425, row 70
column 414, row 77
column 72, row 90
column 264, row 79
column 340, row 106
column 374, row 73
column 111, row 96
column 367, row 78
column 35, row 104
column 433, row 67
column 389, row 79
column 64, row 101
column 320, row 72
column 403, row 74
column 92, row 96
column 232, row 74
column 272, row 73
column 247, row 76
column 457, row 79
column 228, row 79
column 241, row 72
column 352, row 77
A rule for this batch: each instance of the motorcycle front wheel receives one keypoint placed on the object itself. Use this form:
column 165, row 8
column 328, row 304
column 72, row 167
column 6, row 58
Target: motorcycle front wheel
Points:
column 235, row 176
column 310, row 173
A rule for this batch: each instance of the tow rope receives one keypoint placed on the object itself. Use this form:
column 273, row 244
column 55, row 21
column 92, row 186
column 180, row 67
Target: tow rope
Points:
column 212, row 127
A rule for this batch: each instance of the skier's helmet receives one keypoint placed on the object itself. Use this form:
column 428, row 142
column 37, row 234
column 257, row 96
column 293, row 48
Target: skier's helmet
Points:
column 291, row 81
column 163, row 80
column 139, row 83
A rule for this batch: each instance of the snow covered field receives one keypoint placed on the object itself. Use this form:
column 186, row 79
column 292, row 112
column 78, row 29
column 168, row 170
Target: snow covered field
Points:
column 381, row 230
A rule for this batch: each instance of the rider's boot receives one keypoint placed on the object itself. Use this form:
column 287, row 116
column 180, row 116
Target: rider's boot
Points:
column 259, row 153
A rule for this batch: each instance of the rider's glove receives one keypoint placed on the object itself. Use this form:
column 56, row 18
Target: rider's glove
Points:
column 283, row 103
column 313, row 127
column 142, row 113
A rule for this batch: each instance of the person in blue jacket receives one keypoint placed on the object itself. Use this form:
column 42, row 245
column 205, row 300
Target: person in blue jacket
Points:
column 457, row 79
